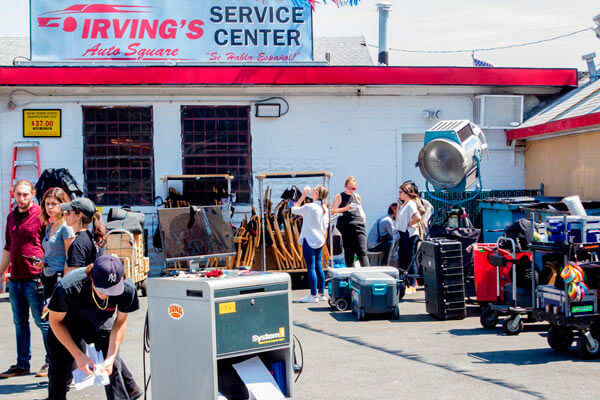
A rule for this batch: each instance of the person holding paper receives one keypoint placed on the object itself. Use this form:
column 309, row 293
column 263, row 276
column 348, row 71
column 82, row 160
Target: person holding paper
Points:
column 82, row 310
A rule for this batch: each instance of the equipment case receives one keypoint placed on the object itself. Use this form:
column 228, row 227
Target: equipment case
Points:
column 338, row 284
column 374, row 293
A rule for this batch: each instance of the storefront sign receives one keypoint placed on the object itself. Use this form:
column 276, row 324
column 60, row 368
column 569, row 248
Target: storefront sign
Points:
column 41, row 123
column 169, row 30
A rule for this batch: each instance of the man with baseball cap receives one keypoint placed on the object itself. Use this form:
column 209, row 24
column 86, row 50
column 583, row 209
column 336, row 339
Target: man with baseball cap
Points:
column 82, row 310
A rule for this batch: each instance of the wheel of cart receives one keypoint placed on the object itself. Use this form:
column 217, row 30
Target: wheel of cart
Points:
column 515, row 314
column 129, row 248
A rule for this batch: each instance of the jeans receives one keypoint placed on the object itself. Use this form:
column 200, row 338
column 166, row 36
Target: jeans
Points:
column 62, row 365
column 23, row 296
column 406, row 252
column 316, row 277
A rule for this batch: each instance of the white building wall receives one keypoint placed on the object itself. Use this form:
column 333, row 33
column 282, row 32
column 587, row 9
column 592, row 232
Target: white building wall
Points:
column 369, row 137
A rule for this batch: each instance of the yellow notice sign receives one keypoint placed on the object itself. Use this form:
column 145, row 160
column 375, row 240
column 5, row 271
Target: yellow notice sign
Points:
column 227, row 308
column 41, row 123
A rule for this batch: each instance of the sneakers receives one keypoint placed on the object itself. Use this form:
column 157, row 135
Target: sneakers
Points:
column 322, row 297
column 14, row 371
column 410, row 290
column 43, row 372
column 310, row 299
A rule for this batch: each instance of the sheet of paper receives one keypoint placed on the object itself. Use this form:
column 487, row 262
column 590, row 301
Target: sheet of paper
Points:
column 83, row 380
column 258, row 380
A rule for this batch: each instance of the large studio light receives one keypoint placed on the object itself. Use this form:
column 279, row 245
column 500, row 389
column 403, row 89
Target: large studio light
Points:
column 449, row 159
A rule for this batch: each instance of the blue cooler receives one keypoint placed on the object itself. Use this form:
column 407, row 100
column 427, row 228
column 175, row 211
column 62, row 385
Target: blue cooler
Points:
column 374, row 293
column 337, row 284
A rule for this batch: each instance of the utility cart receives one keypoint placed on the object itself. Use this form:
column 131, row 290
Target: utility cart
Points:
column 129, row 248
column 292, row 259
column 571, row 304
column 518, row 307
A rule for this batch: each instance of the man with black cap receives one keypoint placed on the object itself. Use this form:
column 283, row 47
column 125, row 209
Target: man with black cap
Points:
column 82, row 310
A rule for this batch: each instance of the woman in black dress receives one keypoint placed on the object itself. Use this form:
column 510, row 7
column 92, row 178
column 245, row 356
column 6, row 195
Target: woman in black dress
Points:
column 351, row 223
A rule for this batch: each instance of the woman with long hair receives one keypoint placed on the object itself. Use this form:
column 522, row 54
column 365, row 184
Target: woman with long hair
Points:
column 57, row 239
column 315, row 221
column 351, row 223
column 407, row 220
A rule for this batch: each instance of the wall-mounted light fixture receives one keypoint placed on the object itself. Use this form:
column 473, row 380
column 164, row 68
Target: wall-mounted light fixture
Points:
column 268, row 108
column 272, row 110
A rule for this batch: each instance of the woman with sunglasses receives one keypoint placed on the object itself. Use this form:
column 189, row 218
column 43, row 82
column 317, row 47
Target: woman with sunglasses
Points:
column 351, row 223
column 79, row 213
column 407, row 220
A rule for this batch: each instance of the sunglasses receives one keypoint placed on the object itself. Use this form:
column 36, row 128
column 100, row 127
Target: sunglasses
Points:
column 68, row 212
column 352, row 188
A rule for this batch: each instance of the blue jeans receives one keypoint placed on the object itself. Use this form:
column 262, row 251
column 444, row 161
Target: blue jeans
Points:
column 23, row 296
column 316, row 277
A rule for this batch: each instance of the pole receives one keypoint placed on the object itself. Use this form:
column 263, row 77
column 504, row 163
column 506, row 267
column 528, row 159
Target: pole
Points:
column 262, row 223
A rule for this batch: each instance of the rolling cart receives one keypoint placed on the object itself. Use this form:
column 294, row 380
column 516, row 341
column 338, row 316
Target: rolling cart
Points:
column 326, row 176
column 516, row 313
column 570, row 318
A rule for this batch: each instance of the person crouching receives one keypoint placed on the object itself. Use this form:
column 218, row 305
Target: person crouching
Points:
column 82, row 310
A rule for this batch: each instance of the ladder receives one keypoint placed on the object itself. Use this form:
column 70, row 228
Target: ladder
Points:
column 18, row 145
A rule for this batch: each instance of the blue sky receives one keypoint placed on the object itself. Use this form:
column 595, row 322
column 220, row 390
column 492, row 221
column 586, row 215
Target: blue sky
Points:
column 441, row 25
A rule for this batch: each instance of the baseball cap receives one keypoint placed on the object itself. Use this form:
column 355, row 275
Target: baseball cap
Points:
column 82, row 204
column 107, row 274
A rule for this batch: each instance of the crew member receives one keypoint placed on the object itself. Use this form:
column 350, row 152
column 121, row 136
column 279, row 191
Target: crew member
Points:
column 82, row 310
column 381, row 235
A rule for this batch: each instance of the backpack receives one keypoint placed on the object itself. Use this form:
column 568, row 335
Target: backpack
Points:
column 57, row 177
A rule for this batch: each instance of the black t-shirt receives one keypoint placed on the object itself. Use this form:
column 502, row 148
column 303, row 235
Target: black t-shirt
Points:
column 73, row 295
column 82, row 251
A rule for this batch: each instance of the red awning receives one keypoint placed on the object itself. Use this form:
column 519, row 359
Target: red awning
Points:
column 286, row 75
column 566, row 124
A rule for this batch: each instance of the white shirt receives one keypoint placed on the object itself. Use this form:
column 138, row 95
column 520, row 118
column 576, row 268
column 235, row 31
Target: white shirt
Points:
column 314, row 223
column 404, row 215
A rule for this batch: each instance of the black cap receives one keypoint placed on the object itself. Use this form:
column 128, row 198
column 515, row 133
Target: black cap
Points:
column 107, row 274
column 81, row 204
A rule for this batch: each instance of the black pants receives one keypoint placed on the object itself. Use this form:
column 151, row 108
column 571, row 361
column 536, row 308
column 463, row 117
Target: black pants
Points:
column 62, row 365
column 406, row 252
column 48, row 283
column 354, row 239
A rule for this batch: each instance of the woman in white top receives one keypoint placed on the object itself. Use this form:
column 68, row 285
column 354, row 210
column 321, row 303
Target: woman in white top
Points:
column 407, row 218
column 315, row 220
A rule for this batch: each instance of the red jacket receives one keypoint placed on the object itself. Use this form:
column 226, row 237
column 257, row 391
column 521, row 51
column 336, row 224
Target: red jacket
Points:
column 24, row 234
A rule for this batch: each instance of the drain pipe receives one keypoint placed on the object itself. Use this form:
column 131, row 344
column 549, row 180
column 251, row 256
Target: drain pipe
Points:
column 589, row 58
column 384, row 11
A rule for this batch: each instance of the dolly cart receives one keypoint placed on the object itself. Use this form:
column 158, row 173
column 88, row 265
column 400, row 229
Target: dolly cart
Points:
column 571, row 317
column 513, row 324
column 326, row 176
column 129, row 248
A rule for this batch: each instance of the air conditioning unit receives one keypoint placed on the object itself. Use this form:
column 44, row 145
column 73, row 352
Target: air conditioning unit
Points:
column 498, row 111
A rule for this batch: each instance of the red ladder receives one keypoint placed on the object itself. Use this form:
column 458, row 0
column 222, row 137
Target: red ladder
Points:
column 21, row 144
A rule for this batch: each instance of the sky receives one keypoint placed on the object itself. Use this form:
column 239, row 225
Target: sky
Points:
column 441, row 25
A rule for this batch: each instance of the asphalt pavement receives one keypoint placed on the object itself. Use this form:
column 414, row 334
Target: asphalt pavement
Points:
column 415, row 357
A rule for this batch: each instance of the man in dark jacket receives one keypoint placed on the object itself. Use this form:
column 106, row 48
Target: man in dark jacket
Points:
column 23, row 243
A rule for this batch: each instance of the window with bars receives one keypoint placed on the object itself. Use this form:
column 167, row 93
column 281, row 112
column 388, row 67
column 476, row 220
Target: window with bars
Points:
column 216, row 140
column 118, row 155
